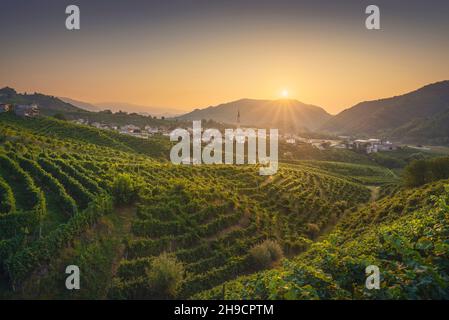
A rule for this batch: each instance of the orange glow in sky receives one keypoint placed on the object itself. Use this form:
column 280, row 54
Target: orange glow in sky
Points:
column 320, row 57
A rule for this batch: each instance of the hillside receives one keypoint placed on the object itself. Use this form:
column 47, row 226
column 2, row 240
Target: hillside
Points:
column 48, row 105
column 114, row 206
column 432, row 130
column 157, row 147
column 406, row 236
column 81, row 104
column 290, row 115
column 382, row 117
column 144, row 110
column 74, row 110
column 207, row 217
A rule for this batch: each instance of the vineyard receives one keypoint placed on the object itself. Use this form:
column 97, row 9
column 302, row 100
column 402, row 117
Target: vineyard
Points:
column 209, row 218
column 61, row 184
column 406, row 236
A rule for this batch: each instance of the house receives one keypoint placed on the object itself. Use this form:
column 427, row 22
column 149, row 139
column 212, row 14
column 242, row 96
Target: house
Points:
column 130, row 128
column 374, row 145
column 387, row 146
column 4, row 108
column 24, row 110
column 151, row 130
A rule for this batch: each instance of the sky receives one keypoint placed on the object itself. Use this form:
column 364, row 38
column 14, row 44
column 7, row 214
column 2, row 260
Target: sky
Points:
column 188, row 54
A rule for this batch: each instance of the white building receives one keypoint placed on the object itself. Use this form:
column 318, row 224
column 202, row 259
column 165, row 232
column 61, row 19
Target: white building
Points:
column 374, row 145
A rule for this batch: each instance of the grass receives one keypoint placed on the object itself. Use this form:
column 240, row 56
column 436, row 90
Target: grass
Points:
column 97, row 253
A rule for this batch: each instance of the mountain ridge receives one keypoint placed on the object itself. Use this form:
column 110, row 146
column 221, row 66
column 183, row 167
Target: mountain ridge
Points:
column 382, row 116
column 283, row 113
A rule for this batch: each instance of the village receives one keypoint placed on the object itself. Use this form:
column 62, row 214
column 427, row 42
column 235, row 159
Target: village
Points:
column 21, row 110
column 128, row 129
column 371, row 145
column 368, row 146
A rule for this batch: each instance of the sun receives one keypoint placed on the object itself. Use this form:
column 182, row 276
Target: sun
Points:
column 284, row 93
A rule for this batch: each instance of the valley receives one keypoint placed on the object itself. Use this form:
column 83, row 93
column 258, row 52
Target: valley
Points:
column 115, row 206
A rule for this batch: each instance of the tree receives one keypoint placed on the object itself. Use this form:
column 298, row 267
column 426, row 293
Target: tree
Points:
column 165, row 276
column 415, row 173
column 124, row 189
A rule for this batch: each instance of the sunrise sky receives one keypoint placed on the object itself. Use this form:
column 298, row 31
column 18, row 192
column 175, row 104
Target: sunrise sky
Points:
column 191, row 54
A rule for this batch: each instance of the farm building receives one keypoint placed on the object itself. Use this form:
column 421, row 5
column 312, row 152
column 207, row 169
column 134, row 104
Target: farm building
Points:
column 374, row 145
column 24, row 110
column 4, row 108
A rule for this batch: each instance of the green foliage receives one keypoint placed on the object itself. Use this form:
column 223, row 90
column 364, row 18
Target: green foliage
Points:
column 60, row 116
column 212, row 221
column 124, row 189
column 264, row 254
column 7, row 200
column 23, row 262
column 66, row 203
column 165, row 275
column 388, row 161
column 420, row 172
column 411, row 252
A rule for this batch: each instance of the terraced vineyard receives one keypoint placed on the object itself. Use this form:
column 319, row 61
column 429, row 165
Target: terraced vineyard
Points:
column 406, row 236
column 63, row 193
column 211, row 229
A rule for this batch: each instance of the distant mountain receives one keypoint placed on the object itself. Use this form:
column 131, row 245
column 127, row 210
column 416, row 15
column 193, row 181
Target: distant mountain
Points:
column 289, row 115
column 49, row 105
column 144, row 110
column 80, row 104
column 406, row 114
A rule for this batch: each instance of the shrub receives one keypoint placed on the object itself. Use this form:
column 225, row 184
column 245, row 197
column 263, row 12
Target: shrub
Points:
column 124, row 189
column 265, row 253
column 420, row 172
column 165, row 276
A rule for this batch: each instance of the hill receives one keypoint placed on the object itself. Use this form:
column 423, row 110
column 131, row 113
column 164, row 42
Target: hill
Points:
column 57, row 182
column 408, row 111
column 404, row 235
column 111, row 204
column 144, row 110
column 290, row 115
column 48, row 105
column 74, row 110
column 432, row 130
column 81, row 104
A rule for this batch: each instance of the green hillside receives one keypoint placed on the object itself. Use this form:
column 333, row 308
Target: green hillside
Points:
column 406, row 236
column 432, row 130
column 417, row 116
column 48, row 105
column 114, row 206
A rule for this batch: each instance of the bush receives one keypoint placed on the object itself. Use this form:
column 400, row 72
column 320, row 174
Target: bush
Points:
column 165, row 276
column 420, row 172
column 265, row 253
column 124, row 189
